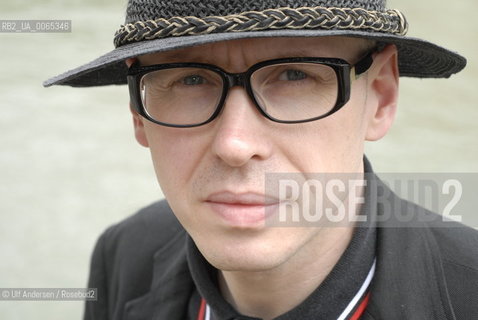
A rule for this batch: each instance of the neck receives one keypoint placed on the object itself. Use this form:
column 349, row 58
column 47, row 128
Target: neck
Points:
column 270, row 293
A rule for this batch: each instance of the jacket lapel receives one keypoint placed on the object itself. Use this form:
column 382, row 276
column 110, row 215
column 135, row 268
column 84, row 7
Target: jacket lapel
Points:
column 171, row 286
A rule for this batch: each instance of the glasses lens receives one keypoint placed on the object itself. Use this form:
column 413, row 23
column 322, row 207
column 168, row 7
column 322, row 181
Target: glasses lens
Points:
column 181, row 96
column 295, row 91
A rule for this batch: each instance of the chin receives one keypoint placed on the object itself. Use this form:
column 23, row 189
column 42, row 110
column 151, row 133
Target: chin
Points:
column 245, row 254
column 244, row 263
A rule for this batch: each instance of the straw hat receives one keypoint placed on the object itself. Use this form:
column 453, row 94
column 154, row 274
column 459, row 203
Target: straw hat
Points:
column 164, row 25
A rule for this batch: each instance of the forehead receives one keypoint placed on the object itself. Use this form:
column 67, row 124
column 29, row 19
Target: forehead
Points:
column 260, row 49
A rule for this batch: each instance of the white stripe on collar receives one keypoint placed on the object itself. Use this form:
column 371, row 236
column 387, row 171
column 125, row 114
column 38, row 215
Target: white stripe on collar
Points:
column 207, row 316
column 360, row 293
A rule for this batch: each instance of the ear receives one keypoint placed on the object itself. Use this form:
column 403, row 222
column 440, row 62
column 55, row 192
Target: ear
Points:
column 130, row 61
column 138, row 123
column 383, row 83
column 139, row 132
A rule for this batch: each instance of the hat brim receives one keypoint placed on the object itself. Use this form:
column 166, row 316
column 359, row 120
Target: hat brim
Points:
column 417, row 58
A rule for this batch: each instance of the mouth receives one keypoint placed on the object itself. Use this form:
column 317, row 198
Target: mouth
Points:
column 244, row 210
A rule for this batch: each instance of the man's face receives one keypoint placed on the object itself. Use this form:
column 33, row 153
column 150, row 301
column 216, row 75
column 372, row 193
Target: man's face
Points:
column 213, row 176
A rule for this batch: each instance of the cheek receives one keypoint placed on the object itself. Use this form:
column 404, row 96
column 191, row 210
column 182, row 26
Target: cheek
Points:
column 350, row 122
column 175, row 154
column 332, row 144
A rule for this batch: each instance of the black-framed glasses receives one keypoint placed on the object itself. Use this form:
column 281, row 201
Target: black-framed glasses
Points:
column 288, row 90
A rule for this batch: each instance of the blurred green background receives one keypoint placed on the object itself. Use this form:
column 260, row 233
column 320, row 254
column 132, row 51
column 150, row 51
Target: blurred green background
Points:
column 69, row 165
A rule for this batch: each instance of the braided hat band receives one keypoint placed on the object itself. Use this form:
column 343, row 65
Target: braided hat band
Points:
column 390, row 21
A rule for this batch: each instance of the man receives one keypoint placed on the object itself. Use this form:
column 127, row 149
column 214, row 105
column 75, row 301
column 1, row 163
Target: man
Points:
column 229, row 96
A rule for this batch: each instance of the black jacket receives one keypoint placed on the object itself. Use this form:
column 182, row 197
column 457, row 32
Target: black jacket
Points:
column 425, row 270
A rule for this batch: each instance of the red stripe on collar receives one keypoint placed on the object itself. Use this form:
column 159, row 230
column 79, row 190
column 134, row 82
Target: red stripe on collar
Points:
column 202, row 310
column 361, row 308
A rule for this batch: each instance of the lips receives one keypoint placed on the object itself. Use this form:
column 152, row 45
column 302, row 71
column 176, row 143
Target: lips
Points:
column 247, row 198
column 244, row 210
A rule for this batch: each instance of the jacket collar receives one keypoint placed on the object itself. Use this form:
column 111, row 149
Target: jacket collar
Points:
column 409, row 282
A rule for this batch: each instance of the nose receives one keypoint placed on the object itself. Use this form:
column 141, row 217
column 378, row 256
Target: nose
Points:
column 241, row 132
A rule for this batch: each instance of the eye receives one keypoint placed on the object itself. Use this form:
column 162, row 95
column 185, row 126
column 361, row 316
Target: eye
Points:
column 292, row 75
column 193, row 80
